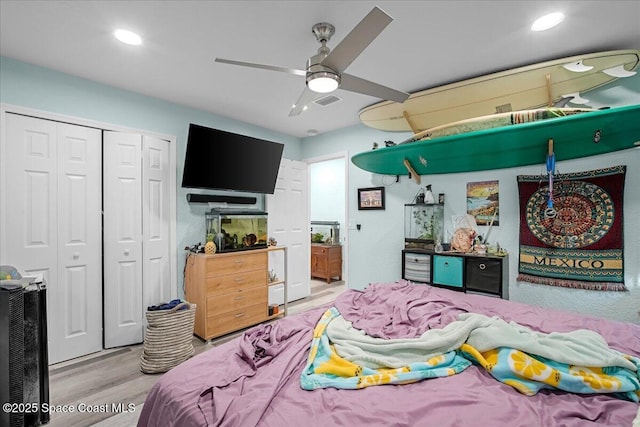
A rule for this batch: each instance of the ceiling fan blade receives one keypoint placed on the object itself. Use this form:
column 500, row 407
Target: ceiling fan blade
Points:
column 304, row 99
column 262, row 66
column 357, row 40
column 366, row 87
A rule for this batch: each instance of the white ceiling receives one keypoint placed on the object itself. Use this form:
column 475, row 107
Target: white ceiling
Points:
column 429, row 43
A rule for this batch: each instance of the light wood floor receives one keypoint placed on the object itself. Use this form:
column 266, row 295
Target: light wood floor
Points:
column 113, row 376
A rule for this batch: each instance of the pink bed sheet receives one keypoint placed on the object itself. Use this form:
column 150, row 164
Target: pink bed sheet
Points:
column 255, row 379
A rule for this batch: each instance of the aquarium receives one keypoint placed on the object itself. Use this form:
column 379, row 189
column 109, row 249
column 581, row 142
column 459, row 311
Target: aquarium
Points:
column 236, row 231
column 325, row 232
column 423, row 225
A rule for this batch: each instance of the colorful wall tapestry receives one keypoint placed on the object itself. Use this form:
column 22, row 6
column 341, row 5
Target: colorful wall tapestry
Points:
column 580, row 243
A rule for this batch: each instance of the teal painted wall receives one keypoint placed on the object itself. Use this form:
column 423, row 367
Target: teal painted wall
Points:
column 26, row 85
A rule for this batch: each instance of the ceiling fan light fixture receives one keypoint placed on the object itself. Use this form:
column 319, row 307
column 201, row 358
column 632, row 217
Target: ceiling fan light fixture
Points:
column 323, row 81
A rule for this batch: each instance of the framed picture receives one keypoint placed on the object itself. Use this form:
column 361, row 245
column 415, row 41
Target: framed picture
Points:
column 371, row 198
column 483, row 202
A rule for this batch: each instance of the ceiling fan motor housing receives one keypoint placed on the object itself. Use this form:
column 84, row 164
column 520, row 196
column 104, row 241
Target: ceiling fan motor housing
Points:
column 323, row 32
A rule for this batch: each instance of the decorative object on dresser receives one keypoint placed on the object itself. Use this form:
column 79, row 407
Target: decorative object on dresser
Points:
column 325, row 232
column 230, row 290
column 326, row 261
column 470, row 273
column 237, row 230
column 210, row 247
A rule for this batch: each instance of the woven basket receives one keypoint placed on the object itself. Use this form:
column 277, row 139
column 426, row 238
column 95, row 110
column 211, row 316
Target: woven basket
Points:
column 167, row 339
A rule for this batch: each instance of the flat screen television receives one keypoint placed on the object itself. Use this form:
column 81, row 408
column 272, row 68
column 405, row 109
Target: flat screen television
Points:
column 220, row 160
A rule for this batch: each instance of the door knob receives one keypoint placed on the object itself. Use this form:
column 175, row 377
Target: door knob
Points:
column 126, row 252
column 76, row 255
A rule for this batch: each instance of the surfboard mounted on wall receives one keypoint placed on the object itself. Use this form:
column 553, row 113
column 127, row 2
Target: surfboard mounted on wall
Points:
column 554, row 83
column 575, row 136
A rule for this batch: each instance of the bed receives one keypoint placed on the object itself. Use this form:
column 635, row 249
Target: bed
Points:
column 256, row 378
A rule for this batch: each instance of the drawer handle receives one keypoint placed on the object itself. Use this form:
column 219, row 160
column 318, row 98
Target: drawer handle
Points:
column 238, row 261
column 482, row 266
column 239, row 315
column 446, row 263
column 239, row 298
column 239, row 279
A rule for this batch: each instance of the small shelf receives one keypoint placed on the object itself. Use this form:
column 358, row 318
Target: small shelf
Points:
column 285, row 306
column 471, row 273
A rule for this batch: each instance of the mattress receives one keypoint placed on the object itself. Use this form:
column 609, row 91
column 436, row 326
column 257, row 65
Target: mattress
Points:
column 255, row 378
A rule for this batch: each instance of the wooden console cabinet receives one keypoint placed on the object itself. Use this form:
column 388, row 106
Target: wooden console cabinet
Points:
column 487, row 275
column 230, row 290
column 326, row 261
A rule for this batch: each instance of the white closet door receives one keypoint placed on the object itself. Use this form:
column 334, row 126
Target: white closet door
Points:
column 51, row 225
column 289, row 224
column 122, row 194
column 79, row 240
column 156, row 268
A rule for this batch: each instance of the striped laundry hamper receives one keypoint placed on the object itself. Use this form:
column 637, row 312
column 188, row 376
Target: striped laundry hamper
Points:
column 167, row 339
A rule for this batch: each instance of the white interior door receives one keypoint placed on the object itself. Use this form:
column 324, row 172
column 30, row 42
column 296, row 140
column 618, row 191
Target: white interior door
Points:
column 156, row 269
column 52, row 225
column 288, row 209
column 122, row 195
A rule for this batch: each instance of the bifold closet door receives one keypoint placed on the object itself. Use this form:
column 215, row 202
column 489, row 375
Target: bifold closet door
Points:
column 51, row 225
column 156, row 267
column 122, row 195
column 137, row 269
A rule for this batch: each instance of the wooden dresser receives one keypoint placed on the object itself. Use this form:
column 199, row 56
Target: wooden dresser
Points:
column 326, row 261
column 230, row 290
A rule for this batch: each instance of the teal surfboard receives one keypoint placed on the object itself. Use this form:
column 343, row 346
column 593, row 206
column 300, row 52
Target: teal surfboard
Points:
column 576, row 136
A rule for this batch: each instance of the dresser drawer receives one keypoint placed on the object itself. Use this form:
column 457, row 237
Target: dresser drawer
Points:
column 318, row 249
column 417, row 267
column 483, row 274
column 216, row 285
column 236, row 319
column 447, row 270
column 236, row 300
column 235, row 263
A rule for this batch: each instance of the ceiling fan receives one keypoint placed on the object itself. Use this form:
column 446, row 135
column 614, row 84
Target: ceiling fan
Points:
column 325, row 70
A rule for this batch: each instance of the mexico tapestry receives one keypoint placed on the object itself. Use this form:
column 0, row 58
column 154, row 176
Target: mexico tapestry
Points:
column 579, row 243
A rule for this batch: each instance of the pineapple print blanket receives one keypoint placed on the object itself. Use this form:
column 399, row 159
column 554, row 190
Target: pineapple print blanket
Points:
column 344, row 357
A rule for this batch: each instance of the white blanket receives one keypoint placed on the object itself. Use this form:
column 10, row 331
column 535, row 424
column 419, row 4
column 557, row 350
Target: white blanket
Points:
column 580, row 347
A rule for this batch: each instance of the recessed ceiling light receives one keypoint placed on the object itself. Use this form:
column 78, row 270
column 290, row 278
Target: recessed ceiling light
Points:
column 128, row 37
column 547, row 21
